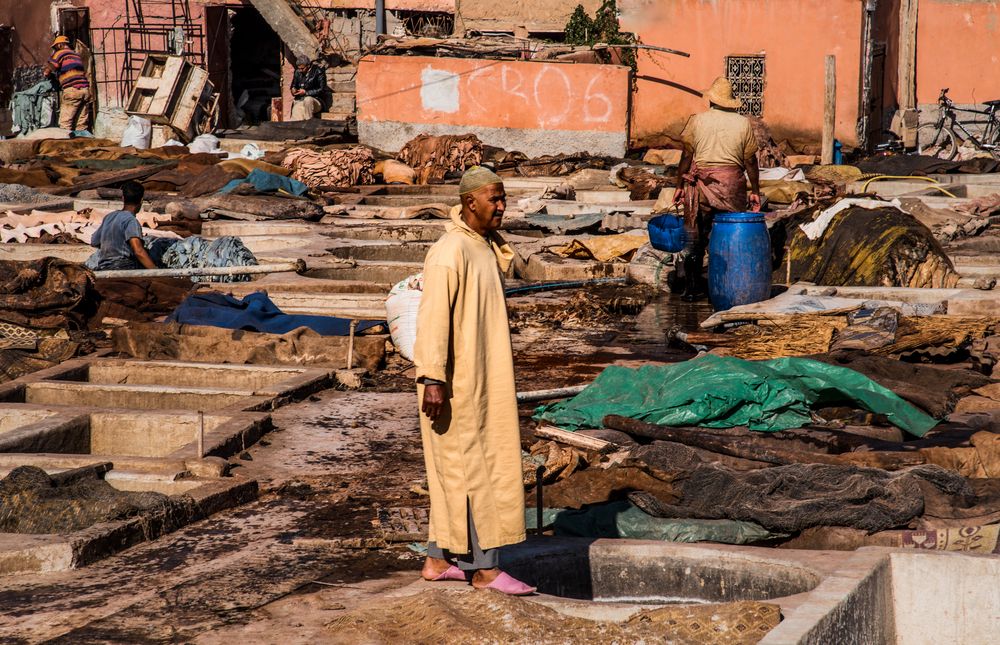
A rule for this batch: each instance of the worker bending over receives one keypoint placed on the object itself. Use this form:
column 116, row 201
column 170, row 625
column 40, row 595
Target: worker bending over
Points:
column 74, row 96
column 720, row 154
column 465, row 383
column 119, row 237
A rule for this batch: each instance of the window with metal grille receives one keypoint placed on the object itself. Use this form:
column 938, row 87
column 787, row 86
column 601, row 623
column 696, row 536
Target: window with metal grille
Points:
column 746, row 73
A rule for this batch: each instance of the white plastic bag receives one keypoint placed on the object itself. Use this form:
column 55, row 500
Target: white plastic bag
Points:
column 138, row 133
column 204, row 143
column 401, row 313
column 252, row 152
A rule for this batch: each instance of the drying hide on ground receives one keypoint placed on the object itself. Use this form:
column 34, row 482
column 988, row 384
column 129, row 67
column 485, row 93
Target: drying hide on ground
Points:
column 933, row 389
column 800, row 496
column 302, row 346
column 340, row 168
column 47, row 294
column 434, row 157
column 141, row 299
column 36, row 353
column 880, row 247
column 33, row 502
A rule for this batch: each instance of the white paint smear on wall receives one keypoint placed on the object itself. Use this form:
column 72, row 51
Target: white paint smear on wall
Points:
column 439, row 90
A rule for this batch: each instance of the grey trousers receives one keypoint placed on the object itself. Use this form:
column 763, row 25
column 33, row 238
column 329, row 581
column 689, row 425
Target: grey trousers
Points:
column 475, row 559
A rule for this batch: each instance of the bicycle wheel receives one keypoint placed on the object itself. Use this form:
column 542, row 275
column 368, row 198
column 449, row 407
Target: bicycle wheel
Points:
column 934, row 142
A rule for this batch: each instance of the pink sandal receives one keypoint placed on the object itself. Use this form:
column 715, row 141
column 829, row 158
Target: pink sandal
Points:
column 510, row 585
column 451, row 573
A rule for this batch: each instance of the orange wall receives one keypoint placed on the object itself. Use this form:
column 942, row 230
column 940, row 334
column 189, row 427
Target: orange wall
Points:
column 493, row 93
column 538, row 108
column 795, row 36
column 958, row 47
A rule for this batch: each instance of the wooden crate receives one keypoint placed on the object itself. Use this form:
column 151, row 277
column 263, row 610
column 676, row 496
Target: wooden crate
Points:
column 168, row 92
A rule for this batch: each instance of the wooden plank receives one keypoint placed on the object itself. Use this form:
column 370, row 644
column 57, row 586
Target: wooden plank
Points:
column 101, row 179
column 829, row 109
column 55, row 205
column 573, row 439
column 168, row 84
column 187, row 103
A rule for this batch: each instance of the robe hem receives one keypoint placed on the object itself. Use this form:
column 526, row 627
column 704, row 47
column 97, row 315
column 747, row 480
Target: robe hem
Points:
column 505, row 540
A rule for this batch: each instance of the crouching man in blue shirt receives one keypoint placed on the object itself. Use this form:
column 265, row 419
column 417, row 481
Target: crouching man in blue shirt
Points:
column 119, row 237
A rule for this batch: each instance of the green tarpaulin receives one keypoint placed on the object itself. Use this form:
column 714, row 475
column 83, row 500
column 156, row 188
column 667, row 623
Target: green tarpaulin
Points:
column 722, row 392
column 620, row 519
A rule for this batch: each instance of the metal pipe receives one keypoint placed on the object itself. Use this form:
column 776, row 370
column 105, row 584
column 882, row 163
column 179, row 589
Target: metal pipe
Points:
column 553, row 286
column 280, row 267
column 380, row 17
column 544, row 395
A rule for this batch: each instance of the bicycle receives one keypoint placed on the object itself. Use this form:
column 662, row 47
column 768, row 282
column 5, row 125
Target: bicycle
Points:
column 943, row 137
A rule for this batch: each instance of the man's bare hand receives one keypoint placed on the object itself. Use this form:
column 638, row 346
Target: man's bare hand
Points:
column 754, row 200
column 433, row 401
column 678, row 195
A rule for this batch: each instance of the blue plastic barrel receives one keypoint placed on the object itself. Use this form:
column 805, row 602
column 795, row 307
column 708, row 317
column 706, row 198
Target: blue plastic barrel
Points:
column 739, row 260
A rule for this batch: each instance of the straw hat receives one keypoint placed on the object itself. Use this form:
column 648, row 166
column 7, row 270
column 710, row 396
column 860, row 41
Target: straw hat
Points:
column 721, row 93
column 60, row 40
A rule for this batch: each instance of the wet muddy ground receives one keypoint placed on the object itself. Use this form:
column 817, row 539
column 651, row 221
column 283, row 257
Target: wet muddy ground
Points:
column 282, row 567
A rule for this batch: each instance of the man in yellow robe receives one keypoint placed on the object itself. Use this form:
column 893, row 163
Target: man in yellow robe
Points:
column 465, row 384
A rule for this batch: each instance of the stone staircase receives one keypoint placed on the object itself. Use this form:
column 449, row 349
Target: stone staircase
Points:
column 341, row 82
column 298, row 25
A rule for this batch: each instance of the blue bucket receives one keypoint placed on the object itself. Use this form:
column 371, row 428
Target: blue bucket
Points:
column 739, row 260
column 666, row 233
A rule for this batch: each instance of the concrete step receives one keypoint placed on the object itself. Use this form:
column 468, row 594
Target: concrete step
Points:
column 343, row 103
column 342, row 74
column 973, row 271
column 545, row 268
column 337, row 115
column 977, row 261
column 343, row 87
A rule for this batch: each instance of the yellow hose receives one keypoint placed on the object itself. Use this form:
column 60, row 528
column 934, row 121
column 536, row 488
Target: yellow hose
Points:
column 936, row 183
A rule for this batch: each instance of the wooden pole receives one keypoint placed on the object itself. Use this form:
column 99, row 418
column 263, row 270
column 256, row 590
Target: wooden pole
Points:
column 350, row 345
column 906, row 120
column 907, row 55
column 829, row 109
column 546, row 395
column 297, row 266
column 201, row 435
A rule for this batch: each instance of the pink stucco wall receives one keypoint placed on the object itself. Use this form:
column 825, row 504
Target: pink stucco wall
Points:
column 794, row 35
column 957, row 48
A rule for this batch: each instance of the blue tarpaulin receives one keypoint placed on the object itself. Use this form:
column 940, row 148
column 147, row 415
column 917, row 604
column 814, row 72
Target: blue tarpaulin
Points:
column 257, row 313
column 268, row 182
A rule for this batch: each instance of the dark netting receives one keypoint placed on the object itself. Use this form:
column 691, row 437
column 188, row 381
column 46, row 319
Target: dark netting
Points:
column 33, row 502
column 795, row 497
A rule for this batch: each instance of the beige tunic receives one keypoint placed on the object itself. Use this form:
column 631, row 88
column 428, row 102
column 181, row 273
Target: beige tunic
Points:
column 472, row 451
column 720, row 138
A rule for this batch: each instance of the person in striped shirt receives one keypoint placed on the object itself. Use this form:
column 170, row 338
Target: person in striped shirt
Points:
column 74, row 97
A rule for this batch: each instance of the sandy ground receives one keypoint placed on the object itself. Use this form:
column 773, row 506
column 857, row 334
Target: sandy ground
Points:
column 322, row 472
column 282, row 568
